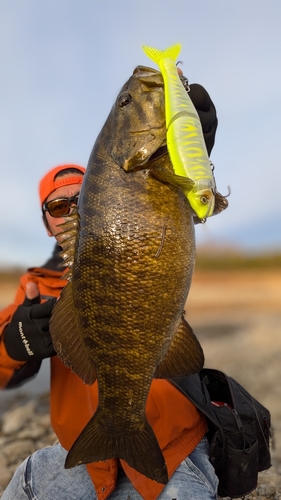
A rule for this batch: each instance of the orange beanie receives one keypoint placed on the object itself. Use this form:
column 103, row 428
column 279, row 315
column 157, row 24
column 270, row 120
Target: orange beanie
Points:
column 48, row 184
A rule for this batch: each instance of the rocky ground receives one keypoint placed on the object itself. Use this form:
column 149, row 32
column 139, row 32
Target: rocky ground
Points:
column 237, row 317
column 25, row 428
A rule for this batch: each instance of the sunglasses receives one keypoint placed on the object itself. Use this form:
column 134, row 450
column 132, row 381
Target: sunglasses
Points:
column 60, row 206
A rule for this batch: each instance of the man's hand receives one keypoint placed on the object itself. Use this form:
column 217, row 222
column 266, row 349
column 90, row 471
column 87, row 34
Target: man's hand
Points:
column 205, row 109
column 207, row 113
column 27, row 337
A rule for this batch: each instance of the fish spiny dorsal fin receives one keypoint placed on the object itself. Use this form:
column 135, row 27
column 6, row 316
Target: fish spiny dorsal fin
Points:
column 69, row 238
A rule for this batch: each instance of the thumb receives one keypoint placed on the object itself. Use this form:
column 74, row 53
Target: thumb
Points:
column 32, row 294
column 31, row 290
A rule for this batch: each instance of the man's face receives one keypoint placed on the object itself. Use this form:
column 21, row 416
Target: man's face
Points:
column 61, row 192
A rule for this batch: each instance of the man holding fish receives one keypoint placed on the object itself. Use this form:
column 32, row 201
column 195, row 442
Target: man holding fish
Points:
column 179, row 428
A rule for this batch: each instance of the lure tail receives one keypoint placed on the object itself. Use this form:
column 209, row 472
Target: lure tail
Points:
column 157, row 55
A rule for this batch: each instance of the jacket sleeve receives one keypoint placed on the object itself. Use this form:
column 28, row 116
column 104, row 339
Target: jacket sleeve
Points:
column 8, row 366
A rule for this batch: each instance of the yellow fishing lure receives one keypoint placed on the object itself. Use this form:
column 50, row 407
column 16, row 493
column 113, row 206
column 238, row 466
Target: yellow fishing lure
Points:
column 185, row 140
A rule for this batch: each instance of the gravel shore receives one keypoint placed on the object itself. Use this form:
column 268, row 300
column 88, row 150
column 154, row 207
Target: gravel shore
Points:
column 237, row 318
column 25, row 428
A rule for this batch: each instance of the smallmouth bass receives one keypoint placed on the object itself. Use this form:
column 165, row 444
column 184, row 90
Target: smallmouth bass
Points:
column 130, row 249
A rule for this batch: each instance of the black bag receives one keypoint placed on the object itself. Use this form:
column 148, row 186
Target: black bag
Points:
column 239, row 429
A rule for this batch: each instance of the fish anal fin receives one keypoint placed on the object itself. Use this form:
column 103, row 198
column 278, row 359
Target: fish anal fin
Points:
column 138, row 448
column 185, row 355
column 66, row 336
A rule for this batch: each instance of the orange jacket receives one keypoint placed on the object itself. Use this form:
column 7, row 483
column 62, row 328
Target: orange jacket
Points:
column 177, row 423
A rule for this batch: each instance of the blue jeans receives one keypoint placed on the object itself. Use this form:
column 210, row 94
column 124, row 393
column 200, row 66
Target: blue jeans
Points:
column 42, row 476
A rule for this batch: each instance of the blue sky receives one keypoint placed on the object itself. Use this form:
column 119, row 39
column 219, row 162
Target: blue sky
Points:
column 63, row 64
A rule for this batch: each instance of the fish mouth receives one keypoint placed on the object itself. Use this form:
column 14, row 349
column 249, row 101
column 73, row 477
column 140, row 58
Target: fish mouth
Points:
column 149, row 160
column 159, row 152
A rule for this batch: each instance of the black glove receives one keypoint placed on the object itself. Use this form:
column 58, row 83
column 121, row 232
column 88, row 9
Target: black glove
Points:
column 206, row 111
column 27, row 337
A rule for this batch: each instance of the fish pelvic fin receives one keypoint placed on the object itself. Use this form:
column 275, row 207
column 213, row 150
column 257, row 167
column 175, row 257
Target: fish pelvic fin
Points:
column 158, row 55
column 66, row 337
column 185, row 355
column 138, row 448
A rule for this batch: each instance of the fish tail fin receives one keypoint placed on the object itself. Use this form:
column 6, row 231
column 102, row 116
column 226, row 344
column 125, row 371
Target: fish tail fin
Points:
column 139, row 448
column 157, row 55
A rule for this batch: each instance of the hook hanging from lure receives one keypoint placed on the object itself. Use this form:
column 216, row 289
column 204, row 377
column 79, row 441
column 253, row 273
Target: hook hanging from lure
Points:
column 185, row 140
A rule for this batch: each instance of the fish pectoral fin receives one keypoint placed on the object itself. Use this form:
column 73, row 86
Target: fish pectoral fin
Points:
column 66, row 336
column 184, row 357
column 138, row 448
column 163, row 175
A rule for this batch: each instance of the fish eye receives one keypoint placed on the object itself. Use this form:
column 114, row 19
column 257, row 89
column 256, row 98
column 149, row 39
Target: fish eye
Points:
column 124, row 99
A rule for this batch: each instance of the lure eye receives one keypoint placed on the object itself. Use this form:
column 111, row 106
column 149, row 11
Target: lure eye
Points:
column 124, row 100
column 204, row 199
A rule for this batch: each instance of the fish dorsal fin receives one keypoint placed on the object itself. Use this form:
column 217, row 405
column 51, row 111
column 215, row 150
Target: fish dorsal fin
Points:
column 69, row 237
column 66, row 335
column 185, row 355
